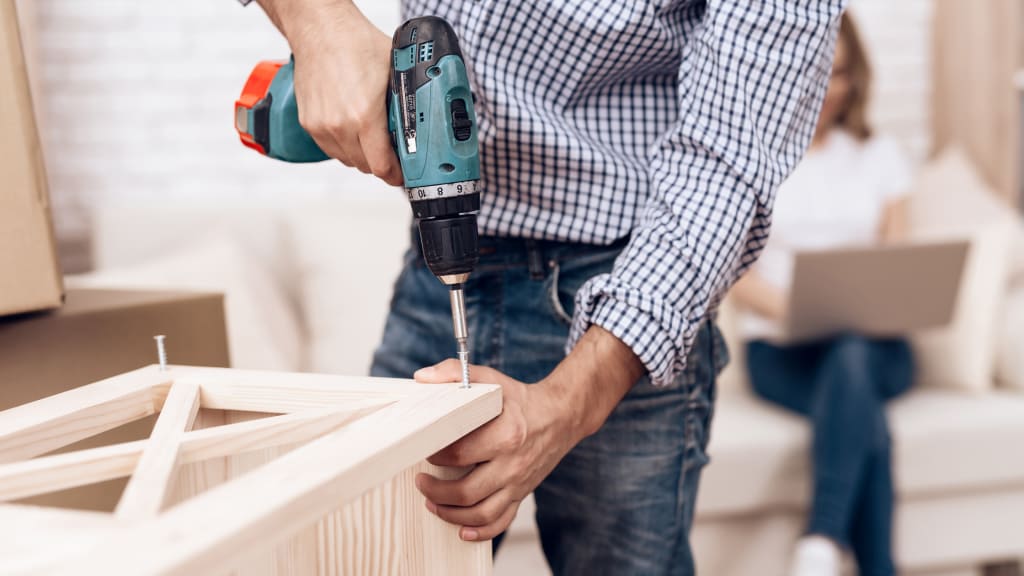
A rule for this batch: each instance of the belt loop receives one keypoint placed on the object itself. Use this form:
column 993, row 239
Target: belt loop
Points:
column 535, row 260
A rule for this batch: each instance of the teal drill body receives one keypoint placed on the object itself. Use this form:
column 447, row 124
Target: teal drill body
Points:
column 438, row 157
column 434, row 134
column 280, row 113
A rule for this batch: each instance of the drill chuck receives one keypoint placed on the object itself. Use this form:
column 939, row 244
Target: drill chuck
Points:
column 450, row 247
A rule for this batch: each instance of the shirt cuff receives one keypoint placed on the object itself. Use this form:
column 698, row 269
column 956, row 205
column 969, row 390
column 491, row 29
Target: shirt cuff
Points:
column 632, row 317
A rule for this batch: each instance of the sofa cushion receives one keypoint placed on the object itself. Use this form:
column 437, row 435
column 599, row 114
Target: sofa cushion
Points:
column 953, row 202
column 943, row 441
column 1017, row 260
column 1010, row 355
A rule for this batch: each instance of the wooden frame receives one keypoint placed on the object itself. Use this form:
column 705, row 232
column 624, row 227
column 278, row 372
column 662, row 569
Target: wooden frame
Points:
column 219, row 488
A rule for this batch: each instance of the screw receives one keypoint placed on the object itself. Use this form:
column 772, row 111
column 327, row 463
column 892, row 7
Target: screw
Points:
column 161, row 353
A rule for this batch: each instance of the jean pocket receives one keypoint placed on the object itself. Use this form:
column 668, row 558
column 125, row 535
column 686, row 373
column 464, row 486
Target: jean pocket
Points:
column 720, row 353
column 554, row 296
column 707, row 358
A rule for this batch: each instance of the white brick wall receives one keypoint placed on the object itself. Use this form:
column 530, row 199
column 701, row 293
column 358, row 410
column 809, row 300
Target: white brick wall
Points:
column 898, row 36
column 137, row 98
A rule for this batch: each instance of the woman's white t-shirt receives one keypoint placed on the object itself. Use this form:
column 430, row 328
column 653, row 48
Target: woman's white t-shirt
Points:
column 835, row 197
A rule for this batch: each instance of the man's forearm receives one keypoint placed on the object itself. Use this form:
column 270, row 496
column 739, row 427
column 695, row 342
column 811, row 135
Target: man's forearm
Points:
column 593, row 379
column 294, row 17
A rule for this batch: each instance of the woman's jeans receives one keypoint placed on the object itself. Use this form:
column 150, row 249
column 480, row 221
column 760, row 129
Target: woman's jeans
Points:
column 841, row 384
column 621, row 502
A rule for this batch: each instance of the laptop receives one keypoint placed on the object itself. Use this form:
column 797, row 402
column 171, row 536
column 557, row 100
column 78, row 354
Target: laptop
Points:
column 878, row 291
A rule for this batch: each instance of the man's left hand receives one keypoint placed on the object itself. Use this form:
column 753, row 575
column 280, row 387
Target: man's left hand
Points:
column 539, row 424
column 512, row 454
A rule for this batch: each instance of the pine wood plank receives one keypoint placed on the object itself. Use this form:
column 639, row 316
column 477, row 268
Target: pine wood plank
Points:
column 343, row 504
column 67, row 532
column 389, row 532
column 69, row 470
column 146, row 492
column 385, row 532
column 289, row 494
column 266, row 391
column 196, row 477
column 236, row 395
column 50, row 423
column 439, row 540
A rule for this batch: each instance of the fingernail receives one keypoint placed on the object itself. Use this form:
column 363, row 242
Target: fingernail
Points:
column 432, row 507
column 424, row 373
column 469, row 534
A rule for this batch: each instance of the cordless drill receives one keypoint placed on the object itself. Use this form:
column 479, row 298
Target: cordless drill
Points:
column 433, row 131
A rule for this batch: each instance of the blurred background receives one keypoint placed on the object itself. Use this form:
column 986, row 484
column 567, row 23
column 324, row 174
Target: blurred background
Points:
column 135, row 98
column 151, row 188
column 134, row 103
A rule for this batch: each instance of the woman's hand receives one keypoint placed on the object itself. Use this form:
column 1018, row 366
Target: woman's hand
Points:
column 755, row 293
column 895, row 226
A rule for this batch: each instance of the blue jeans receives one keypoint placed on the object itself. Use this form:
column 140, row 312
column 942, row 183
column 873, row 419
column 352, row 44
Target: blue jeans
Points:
column 621, row 502
column 841, row 384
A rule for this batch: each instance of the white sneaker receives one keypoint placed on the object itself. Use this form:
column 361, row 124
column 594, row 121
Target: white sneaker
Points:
column 816, row 556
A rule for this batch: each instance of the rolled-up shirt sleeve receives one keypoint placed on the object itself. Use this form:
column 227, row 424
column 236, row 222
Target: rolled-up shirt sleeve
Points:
column 751, row 82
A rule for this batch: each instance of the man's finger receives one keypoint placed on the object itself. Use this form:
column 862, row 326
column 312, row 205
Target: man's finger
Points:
column 480, row 445
column 469, row 490
column 352, row 149
column 477, row 533
column 443, row 372
column 450, row 370
column 376, row 145
column 484, row 513
column 505, row 434
column 325, row 140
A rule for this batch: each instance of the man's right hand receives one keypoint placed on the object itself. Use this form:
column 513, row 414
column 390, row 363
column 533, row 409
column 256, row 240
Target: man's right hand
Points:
column 342, row 65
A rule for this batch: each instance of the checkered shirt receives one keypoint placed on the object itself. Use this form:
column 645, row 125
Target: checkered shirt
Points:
column 672, row 122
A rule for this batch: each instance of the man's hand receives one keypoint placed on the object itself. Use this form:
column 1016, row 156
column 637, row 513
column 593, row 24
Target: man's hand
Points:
column 513, row 453
column 342, row 64
column 538, row 425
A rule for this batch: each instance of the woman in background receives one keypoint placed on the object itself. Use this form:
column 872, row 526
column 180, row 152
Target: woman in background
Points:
column 850, row 189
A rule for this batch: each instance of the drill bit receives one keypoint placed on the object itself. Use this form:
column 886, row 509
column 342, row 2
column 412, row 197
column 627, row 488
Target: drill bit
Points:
column 459, row 326
column 464, row 360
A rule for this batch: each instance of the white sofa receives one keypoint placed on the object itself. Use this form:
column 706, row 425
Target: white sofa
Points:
column 959, row 469
column 305, row 291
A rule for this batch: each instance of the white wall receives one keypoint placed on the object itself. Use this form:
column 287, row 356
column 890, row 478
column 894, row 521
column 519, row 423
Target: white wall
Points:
column 898, row 35
column 137, row 99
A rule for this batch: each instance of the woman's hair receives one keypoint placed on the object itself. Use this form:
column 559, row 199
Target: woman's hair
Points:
column 853, row 117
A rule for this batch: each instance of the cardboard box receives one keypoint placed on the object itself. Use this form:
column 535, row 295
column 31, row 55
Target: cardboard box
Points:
column 30, row 278
column 96, row 335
